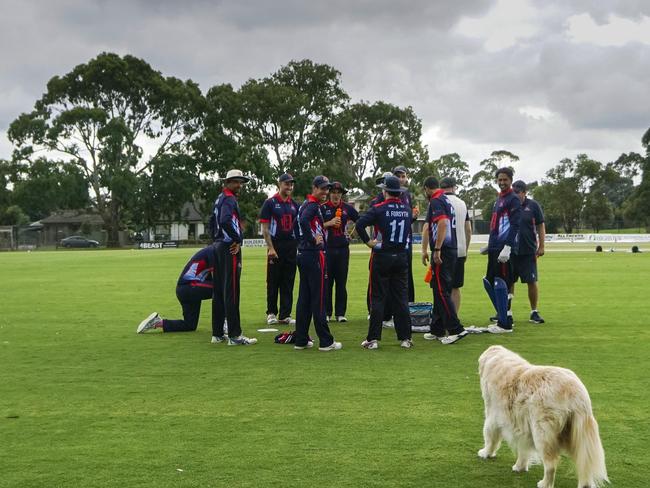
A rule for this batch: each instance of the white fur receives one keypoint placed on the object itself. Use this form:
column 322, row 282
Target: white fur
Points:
column 541, row 412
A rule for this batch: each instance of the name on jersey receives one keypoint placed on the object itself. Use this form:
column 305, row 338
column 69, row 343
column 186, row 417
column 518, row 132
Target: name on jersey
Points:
column 397, row 213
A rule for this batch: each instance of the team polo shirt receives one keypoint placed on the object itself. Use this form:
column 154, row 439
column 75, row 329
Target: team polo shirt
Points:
column 199, row 269
column 281, row 216
column 336, row 236
column 391, row 220
column 310, row 225
column 504, row 224
column 441, row 209
column 531, row 217
column 225, row 223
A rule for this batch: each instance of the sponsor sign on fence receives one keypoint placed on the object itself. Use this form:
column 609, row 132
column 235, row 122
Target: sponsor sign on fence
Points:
column 580, row 238
column 157, row 245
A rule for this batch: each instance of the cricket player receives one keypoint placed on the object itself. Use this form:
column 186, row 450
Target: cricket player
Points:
column 388, row 266
column 312, row 267
column 504, row 226
column 227, row 233
column 402, row 174
column 278, row 218
column 529, row 245
column 445, row 325
column 336, row 215
column 194, row 285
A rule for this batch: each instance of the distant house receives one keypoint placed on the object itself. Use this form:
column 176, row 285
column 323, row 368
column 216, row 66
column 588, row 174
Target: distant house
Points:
column 188, row 227
column 71, row 222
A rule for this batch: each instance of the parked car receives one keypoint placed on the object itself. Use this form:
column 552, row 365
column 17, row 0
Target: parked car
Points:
column 78, row 241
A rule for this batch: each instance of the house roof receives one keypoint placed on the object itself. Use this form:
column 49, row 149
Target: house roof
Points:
column 188, row 213
column 72, row 217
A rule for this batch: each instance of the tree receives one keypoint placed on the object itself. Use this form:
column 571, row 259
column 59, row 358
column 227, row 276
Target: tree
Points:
column 45, row 186
column 481, row 191
column 378, row 137
column 638, row 205
column 290, row 115
column 102, row 116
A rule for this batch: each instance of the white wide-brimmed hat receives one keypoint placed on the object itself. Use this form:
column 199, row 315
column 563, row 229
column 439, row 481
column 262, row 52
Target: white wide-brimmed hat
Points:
column 236, row 174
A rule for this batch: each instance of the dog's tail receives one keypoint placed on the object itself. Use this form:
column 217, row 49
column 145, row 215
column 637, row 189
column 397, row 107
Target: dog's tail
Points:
column 587, row 451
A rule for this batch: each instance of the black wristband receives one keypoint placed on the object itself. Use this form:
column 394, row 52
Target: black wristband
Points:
column 437, row 249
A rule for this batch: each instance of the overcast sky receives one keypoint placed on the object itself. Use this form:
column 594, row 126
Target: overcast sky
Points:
column 545, row 79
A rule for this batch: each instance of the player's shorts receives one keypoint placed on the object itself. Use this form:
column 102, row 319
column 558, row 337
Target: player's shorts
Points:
column 458, row 273
column 525, row 267
column 495, row 269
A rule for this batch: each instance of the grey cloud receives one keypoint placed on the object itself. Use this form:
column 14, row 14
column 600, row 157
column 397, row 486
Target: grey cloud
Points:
column 402, row 52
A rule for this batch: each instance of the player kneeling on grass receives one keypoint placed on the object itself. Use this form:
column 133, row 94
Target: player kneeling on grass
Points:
column 389, row 263
column 194, row 285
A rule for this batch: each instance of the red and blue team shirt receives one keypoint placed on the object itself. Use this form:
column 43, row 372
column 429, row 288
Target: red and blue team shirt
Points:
column 336, row 236
column 199, row 270
column 504, row 224
column 225, row 223
column 281, row 216
column 391, row 220
column 440, row 208
column 310, row 225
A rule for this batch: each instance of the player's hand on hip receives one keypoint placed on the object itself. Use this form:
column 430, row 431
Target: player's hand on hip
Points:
column 234, row 248
column 504, row 255
column 318, row 239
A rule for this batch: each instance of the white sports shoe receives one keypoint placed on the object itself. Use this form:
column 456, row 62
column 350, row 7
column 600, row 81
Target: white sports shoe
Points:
column 406, row 344
column 374, row 344
column 388, row 324
column 149, row 323
column 454, row 338
column 218, row 340
column 341, row 318
column 431, row 337
column 334, row 346
column 241, row 341
column 309, row 345
column 271, row 319
column 288, row 321
column 495, row 329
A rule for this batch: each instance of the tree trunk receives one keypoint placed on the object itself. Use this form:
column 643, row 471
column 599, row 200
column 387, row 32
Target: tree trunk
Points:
column 112, row 224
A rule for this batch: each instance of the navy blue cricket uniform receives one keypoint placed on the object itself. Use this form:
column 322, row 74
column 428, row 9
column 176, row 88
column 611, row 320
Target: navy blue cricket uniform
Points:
column 281, row 216
column 194, row 284
column 444, row 316
column 226, row 230
column 504, row 227
column 526, row 242
column 312, row 267
column 338, row 255
column 391, row 220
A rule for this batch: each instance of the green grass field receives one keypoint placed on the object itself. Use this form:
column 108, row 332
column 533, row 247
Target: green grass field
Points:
column 85, row 402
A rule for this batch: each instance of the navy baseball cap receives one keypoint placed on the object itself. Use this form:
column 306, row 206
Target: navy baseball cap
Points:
column 392, row 184
column 321, row 182
column 519, row 186
column 380, row 179
column 399, row 169
column 336, row 186
column 447, row 182
column 285, row 177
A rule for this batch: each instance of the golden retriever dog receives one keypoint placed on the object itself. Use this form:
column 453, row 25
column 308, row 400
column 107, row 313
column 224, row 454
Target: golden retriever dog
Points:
column 541, row 412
